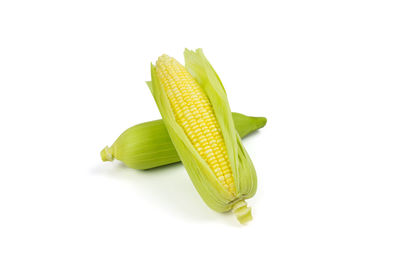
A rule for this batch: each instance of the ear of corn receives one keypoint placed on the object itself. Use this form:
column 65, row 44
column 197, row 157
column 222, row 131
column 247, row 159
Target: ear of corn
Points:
column 195, row 109
column 148, row 145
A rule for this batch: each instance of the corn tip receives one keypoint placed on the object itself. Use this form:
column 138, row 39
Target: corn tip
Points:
column 242, row 212
column 262, row 121
column 106, row 154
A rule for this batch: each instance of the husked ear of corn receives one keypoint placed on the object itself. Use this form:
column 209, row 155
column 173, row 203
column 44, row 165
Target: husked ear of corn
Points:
column 195, row 109
column 147, row 145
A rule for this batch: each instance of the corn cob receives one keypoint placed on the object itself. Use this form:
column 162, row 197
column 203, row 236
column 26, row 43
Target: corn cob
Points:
column 194, row 106
column 148, row 145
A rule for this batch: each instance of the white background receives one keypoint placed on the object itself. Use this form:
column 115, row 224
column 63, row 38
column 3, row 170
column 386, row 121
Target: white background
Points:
column 324, row 73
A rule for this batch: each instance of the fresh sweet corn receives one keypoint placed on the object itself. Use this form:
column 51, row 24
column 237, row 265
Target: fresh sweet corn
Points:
column 148, row 145
column 195, row 109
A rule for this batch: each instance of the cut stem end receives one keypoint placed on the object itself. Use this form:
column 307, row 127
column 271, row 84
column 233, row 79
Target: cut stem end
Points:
column 242, row 212
column 106, row 154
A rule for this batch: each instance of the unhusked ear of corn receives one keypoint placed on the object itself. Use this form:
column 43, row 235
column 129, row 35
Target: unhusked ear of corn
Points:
column 147, row 145
column 195, row 109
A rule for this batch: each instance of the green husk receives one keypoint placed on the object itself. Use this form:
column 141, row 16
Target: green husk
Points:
column 204, row 180
column 148, row 145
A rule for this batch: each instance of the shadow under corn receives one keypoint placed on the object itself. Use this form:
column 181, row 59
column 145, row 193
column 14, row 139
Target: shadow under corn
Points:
column 168, row 187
